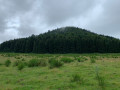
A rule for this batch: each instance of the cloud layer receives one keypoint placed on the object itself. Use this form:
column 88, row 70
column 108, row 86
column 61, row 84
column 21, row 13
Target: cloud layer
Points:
column 20, row 18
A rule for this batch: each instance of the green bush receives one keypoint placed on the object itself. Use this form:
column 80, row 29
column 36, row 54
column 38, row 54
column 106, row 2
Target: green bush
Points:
column 77, row 78
column 1, row 64
column 75, row 58
column 23, row 59
column 55, row 63
column 37, row 62
column 92, row 60
column 25, row 63
column 7, row 63
column 16, row 63
column 81, row 59
column 66, row 60
column 18, row 57
column 21, row 66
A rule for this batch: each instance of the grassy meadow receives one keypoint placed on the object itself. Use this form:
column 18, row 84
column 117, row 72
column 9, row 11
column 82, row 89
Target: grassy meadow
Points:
column 59, row 71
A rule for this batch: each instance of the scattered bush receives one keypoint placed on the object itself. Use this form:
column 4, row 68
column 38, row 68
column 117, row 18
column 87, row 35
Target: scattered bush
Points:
column 33, row 63
column 75, row 58
column 81, row 59
column 25, row 63
column 92, row 59
column 8, row 55
column 23, row 59
column 1, row 64
column 21, row 66
column 77, row 78
column 66, row 60
column 36, row 63
column 114, row 56
column 16, row 63
column 7, row 63
column 18, row 57
column 55, row 63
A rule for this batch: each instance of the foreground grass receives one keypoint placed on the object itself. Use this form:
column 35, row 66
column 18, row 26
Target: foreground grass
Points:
column 62, row 78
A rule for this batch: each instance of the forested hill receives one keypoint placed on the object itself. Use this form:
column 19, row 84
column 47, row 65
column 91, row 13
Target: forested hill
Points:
column 63, row 40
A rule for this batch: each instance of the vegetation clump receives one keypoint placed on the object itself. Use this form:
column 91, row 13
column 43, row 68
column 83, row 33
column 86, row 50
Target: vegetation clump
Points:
column 55, row 63
column 18, row 57
column 77, row 78
column 92, row 60
column 7, row 63
column 21, row 66
column 1, row 64
column 66, row 60
column 81, row 59
column 37, row 62
column 16, row 63
column 100, row 79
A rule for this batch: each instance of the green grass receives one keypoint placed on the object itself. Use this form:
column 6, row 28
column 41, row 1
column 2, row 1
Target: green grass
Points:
column 70, row 76
column 66, row 60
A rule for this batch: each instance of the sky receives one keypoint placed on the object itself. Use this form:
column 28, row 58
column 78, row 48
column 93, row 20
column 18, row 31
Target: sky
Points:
column 22, row 18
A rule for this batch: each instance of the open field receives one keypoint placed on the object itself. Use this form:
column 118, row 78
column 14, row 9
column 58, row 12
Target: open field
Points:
column 72, row 72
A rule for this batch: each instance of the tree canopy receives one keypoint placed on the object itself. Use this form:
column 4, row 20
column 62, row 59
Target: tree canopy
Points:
column 63, row 40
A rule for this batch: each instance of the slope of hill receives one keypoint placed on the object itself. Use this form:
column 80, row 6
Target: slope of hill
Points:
column 63, row 40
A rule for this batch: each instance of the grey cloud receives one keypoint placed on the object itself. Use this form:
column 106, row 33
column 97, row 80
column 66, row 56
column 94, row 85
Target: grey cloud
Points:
column 58, row 11
column 109, row 21
column 12, row 8
column 26, row 17
column 9, row 10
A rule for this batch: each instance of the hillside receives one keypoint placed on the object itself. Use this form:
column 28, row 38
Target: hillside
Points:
column 63, row 40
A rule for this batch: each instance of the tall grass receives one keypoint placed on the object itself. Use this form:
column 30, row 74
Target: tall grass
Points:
column 100, row 79
column 37, row 62
column 66, row 60
column 55, row 63
column 81, row 59
column 92, row 59
column 77, row 78
column 16, row 63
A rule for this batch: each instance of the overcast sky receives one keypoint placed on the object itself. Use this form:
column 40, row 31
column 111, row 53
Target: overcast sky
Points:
column 21, row 18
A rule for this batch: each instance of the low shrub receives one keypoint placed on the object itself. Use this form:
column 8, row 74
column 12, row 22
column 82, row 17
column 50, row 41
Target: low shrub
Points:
column 16, row 63
column 23, row 59
column 37, row 62
column 1, row 64
column 66, row 60
column 55, row 63
column 25, row 63
column 77, row 78
column 21, row 66
column 92, row 60
column 18, row 57
column 81, row 59
column 7, row 63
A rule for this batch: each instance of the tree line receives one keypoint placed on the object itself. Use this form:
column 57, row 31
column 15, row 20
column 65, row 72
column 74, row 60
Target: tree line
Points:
column 63, row 40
